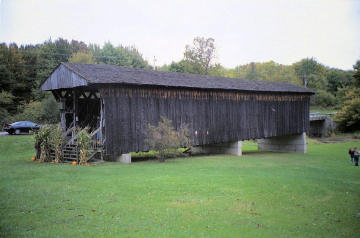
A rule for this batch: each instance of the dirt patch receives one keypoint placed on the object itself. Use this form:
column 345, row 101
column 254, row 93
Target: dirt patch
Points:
column 325, row 198
column 189, row 203
column 245, row 209
column 328, row 140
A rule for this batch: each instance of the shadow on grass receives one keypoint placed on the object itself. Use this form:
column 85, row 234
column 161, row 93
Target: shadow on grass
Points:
column 256, row 152
column 151, row 155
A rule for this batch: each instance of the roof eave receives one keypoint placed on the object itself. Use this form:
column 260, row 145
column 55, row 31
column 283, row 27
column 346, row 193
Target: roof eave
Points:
column 107, row 84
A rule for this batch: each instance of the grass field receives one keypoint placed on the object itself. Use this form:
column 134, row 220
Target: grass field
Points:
column 256, row 195
column 314, row 109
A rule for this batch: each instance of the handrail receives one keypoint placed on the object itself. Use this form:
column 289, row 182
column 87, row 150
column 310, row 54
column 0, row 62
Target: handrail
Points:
column 96, row 142
column 69, row 129
column 96, row 145
column 92, row 156
column 94, row 132
column 73, row 138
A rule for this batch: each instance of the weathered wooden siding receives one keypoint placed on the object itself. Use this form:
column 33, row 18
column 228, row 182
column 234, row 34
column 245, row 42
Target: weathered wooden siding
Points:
column 62, row 77
column 212, row 116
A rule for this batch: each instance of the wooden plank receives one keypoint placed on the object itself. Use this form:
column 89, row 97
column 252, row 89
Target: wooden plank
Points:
column 216, row 116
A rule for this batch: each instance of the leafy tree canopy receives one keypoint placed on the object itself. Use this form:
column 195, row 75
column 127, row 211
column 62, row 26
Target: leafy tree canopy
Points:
column 349, row 115
column 24, row 68
column 82, row 57
column 120, row 55
column 311, row 73
column 199, row 57
column 357, row 73
column 337, row 79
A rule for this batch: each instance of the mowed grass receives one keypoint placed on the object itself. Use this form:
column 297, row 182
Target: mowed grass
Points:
column 256, row 195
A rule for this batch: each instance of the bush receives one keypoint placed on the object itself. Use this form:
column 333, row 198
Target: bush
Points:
column 356, row 135
column 46, row 111
column 50, row 110
column 4, row 117
column 323, row 99
column 31, row 112
column 57, row 140
column 83, row 141
column 349, row 116
column 6, row 103
column 43, row 144
column 165, row 139
column 341, row 96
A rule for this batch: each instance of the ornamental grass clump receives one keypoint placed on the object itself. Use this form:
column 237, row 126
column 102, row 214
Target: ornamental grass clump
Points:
column 43, row 144
column 83, row 141
column 165, row 139
column 57, row 140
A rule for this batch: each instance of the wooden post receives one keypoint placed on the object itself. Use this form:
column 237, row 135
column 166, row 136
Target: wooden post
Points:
column 101, row 121
column 74, row 107
column 63, row 113
column 102, row 125
column 74, row 113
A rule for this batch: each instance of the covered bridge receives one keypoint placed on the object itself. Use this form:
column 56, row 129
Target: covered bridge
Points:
column 120, row 102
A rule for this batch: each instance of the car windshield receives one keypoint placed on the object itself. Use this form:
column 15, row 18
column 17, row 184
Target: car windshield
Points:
column 23, row 123
column 29, row 123
column 19, row 123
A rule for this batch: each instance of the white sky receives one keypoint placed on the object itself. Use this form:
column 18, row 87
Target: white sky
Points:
column 258, row 30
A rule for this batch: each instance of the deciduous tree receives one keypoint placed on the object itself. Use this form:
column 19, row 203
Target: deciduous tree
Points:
column 120, row 55
column 82, row 57
column 349, row 116
column 357, row 73
column 311, row 73
column 201, row 54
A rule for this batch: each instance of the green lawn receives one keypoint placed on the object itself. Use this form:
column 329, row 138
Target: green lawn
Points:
column 322, row 110
column 256, row 195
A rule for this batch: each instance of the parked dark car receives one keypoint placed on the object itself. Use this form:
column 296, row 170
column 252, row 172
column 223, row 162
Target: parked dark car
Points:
column 21, row 127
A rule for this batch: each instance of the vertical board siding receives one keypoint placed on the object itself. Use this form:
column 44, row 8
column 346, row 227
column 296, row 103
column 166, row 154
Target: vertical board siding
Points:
column 216, row 116
column 62, row 77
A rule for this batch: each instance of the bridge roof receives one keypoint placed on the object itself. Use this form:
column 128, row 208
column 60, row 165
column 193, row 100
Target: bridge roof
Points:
column 69, row 75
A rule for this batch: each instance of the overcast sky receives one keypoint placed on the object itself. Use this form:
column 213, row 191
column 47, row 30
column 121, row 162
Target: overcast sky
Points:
column 244, row 31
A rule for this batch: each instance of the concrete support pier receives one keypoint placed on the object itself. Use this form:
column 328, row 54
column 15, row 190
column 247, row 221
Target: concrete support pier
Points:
column 291, row 143
column 320, row 128
column 124, row 158
column 232, row 148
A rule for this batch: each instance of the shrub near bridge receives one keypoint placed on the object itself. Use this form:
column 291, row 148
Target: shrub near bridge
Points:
column 165, row 139
column 43, row 143
column 83, row 140
column 49, row 138
column 57, row 140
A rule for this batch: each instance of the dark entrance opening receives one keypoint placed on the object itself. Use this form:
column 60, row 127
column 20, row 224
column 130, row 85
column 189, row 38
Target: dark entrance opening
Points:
column 79, row 108
column 89, row 113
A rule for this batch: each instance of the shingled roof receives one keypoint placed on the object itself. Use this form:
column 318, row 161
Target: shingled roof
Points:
column 94, row 74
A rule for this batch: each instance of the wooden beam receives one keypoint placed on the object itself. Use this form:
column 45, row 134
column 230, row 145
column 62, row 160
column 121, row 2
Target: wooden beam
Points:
column 92, row 95
column 68, row 94
column 75, row 100
column 102, row 127
column 63, row 93
column 62, row 114
column 56, row 95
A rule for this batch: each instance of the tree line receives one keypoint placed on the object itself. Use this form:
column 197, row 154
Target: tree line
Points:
column 23, row 68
